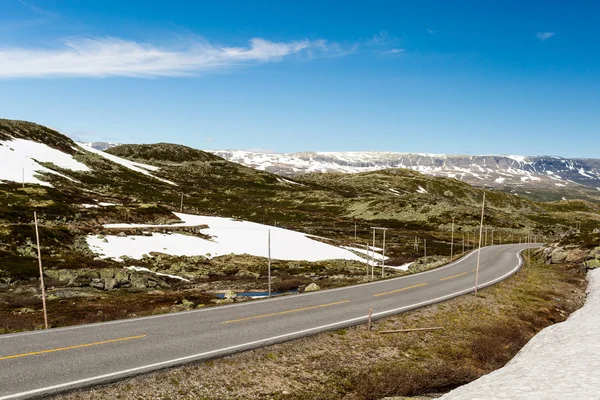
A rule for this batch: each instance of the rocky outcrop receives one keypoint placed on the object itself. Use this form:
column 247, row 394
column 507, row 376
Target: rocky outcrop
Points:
column 557, row 254
column 108, row 279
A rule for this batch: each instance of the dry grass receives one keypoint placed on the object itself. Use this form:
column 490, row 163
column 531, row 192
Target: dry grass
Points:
column 480, row 334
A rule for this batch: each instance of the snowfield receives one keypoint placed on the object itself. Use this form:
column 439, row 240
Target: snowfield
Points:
column 20, row 158
column 560, row 362
column 135, row 166
column 228, row 237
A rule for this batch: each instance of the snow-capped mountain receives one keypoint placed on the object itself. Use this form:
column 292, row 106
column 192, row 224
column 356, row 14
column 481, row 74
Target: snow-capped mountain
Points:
column 488, row 170
column 102, row 146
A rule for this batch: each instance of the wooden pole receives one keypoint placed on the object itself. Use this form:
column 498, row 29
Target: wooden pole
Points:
column 479, row 249
column 37, row 236
column 370, row 318
column 411, row 330
column 373, row 250
column 269, row 265
column 355, row 230
column 383, row 256
column 463, row 242
column 425, row 247
column 452, row 241
column 181, row 207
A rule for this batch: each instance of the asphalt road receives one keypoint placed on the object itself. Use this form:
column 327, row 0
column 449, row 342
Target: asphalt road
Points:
column 38, row 363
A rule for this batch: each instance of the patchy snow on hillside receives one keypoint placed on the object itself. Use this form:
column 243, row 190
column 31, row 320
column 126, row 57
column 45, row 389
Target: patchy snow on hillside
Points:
column 20, row 158
column 229, row 236
column 135, row 166
column 560, row 362
column 421, row 190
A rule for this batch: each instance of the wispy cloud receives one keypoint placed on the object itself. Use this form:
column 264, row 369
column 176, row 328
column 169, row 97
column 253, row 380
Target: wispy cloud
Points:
column 543, row 36
column 393, row 51
column 430, row 31
column 106, row 57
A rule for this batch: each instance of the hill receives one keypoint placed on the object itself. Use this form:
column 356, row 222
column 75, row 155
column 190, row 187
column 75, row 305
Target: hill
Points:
column 80, row 193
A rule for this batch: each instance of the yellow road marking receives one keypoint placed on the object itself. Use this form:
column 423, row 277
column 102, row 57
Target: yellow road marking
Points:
column 399, row 290
column 453, row 276
column 79, row 346
column 286, row 312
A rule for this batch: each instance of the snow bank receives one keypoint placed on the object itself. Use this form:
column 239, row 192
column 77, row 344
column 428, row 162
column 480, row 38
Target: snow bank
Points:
column 19, row 159
column 560, row 362
column 135, row 166
column 421, row 190
column 228, row 237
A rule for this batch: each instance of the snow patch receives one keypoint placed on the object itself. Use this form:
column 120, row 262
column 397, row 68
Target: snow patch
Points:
column 20, row 158
column 421, row 190
column 228, row 236
column 135, row 166
column 144, row 269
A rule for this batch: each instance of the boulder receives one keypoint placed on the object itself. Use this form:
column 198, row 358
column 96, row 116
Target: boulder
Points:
column 592, row 264
column 222, row 301
column 247, row 274
column 97, row 283
column 596, row 231
column 187, row 304
column 559, row 255
column 230, row 294
column 111, row 283
column 595, row 252
column 200, row 306
column 576, row 255
column 313, row 287
column 138, row 281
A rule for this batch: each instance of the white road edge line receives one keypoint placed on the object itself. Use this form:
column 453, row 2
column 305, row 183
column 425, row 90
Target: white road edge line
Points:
column 176, row 361
column 179, row 314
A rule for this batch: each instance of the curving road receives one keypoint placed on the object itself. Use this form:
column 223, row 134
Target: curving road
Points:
column 38, row 363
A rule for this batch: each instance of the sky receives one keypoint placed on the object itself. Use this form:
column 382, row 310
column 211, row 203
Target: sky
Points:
column 460, row 77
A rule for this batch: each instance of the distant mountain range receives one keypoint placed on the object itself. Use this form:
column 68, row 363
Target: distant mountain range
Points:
column 550, row 177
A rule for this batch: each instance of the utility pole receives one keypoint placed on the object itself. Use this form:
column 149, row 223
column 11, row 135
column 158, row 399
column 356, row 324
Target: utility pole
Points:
column 492, row 237
column 425, row 247
column 416, row 244
column 452, row 242
column 23, row 171
column 383, row 255
column 355, row 231
column 486, row 229
column 463, row 242
column 37, row 236
column 373, row 250
column 269, row 265
column 479, row 249
column 181, row 207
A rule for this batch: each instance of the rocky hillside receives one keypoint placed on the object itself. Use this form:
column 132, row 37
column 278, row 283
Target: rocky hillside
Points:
column 540, row 178
column 76, row 190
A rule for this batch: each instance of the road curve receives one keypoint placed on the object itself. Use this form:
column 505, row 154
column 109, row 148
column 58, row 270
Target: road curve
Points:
column 39, row 363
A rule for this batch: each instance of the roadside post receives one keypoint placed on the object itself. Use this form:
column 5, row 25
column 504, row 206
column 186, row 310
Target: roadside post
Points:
column 39, row 251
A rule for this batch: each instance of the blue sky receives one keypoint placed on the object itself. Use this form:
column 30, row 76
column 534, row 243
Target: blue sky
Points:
column 463, row 77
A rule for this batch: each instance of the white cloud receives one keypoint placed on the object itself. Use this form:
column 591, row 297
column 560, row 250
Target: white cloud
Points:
column 543, row 36
column 393, row 51
column 104, row 57
column 430, row 31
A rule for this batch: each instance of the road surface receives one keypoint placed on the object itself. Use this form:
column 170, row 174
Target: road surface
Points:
column 38, row 363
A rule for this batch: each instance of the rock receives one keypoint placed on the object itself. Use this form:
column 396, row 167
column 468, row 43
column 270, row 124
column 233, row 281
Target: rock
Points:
column 247, row 274
column 26, row 310
column 230, row 294
column 595, row 252
column 559, row 255
column 97, row 283
column 187, row 304
column 576, row 255
column 122, row 276
column 201, row 306
column 596, row 231
column 222, row 301
column 592, row 264
column 138, row 281
column 107, row 273
column 122, row 234
column 313, row 287
column 111, row 283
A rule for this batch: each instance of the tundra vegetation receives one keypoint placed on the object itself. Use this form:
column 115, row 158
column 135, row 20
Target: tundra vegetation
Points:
column 83, row 288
